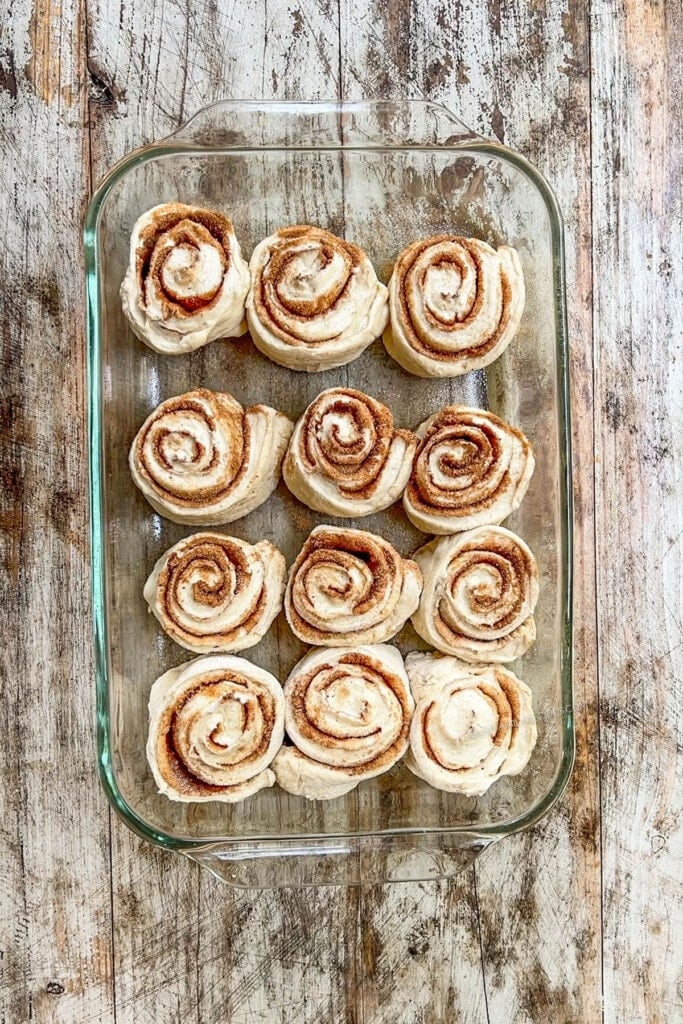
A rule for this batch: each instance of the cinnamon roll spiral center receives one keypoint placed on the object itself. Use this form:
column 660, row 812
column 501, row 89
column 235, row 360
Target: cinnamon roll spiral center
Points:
column 465, row 723
column 352, row 579
column 311, row 279
column 339, row 581
column 205, row 578
column 183, row 257
column 193, row 449
column 442, row 288
column 304, row 284
column 456, row 459
column 449, row 286
column 487, row 591
column 348, row 713
column 216, row 730
column 347, row 437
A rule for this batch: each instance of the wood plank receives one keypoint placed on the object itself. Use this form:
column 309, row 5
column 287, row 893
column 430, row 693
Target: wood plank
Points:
column 286, row 955
column 55, row 923
column 421, row 956
column 421, row 943
column 545, row 951
column 156, row 932
column 237, row 955
column 520, row 74
column 637, row 215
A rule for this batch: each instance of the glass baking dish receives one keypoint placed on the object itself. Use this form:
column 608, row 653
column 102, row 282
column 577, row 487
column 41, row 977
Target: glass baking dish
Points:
column 381, row 174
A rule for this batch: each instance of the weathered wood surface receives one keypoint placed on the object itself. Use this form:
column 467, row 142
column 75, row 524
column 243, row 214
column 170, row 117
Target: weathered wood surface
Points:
column 637, row 217
column 570, row 922
column 55, row 881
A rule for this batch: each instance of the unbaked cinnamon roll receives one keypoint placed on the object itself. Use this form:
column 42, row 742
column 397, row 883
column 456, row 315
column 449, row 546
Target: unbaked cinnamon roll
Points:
column 186, row 282
column 215, row 725
column 350, row 587
column 201, row 458
column 348, row 714
column 455, row 305
column 470, row 469
column 472, row 724
column 480, row 592
column 315, row 301
column 345, row 457
column 216, row 593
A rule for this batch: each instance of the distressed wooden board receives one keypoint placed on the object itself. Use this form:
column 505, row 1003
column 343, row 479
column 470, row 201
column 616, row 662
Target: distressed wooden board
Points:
column 281, row 955
column 520, row 73
column 518, row 938
column 255, row 954
column 637, row 216
column 55, row 885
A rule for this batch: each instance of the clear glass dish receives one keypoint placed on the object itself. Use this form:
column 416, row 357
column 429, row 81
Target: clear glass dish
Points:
column 381, row 174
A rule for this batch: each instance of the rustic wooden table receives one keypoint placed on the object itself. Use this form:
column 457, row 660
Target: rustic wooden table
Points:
column 570, row 922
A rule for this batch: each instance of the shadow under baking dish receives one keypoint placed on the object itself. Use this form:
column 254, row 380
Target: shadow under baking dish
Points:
column 381, row 175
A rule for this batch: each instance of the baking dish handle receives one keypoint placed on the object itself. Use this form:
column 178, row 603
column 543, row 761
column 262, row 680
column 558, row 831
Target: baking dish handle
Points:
column 365, row 124
column 366, row 860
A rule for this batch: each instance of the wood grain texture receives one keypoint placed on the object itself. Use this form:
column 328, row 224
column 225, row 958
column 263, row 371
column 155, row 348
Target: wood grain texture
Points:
column 521, row 73
column 637, row 216
column 256, row 955
column 55, row 895
column 574, row 921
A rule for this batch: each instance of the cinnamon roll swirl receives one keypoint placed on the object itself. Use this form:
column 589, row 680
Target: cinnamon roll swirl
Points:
column 472, row 724
column 215, row 725
column 346, row 458
column 470, row 469
column 455, row 305
column 348, row 714
column 201, row 458
column 186, row 282
column 480, row 592
column 315, row 301
column 216, row 593
column 350, row 587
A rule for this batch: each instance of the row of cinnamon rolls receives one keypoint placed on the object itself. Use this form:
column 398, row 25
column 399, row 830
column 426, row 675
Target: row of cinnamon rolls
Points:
column 218, row 724
column 202, row 459
column 312, row 301
column 471, row 594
